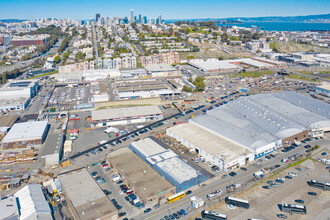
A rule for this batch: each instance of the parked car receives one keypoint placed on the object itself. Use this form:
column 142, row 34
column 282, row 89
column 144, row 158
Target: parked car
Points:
column 232, row 173
column 266, row 187
column 179, row 213
column 224, row 176
column 243, row 168
column 147, row 210
column 176, row 215
column 299, row 201
column 122, row 214
column 279, row 181
column 288, row 177
column 292, row 174
column 282, row 216
column 183, row 211
column 312, row 193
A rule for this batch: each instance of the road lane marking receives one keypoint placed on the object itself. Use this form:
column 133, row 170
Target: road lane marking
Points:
column 158, row 213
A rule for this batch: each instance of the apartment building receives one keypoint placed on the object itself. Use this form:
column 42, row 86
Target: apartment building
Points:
column 161, row 58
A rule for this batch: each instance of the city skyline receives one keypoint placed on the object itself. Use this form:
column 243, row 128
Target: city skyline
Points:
column 178, row 10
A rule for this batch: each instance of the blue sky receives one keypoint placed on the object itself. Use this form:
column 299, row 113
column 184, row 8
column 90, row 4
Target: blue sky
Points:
column 169, row 9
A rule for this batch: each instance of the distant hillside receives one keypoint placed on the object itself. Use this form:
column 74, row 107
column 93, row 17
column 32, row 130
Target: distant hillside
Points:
column 12, row 20
column 307, row 18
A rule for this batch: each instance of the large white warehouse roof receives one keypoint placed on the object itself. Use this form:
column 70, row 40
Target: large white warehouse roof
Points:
column 32, row 203
column 26, row 131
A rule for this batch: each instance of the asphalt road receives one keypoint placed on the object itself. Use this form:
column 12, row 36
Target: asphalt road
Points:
column 95, row 41
column 218, row 183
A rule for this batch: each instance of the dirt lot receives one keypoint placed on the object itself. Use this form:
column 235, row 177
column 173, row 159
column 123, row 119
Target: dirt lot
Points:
column 264, row 202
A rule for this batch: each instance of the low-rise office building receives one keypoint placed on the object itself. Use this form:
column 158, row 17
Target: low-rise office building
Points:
column 85, row 198
column 146, row 183
column 122, row 116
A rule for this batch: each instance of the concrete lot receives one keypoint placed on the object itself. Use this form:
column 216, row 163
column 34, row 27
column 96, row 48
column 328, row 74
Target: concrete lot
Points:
column 264, row 202
column 114, row 188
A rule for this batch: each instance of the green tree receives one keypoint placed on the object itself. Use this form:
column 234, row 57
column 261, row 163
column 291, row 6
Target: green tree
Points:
column 26, row 57
column 80, row 56
column 57, row 59
column 187, row 89
column 199, row 83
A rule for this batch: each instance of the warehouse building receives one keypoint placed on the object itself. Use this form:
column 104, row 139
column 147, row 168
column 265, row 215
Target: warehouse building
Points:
column 146, row 88
column 8, row 208
column 32, row 203
column 219, row 151
column 123, row 116
column 215, row 65
column 167, row 163
column 26, row 134
column 19, row 88
column 84, row 196
column 146, row 183
column 16, row 95
column 53, row 147
column 162, row 70
column 261, row 123
column 6, row 122
column 323, row 90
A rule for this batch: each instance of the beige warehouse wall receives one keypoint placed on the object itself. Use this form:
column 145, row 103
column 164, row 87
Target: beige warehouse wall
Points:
column 133, row 102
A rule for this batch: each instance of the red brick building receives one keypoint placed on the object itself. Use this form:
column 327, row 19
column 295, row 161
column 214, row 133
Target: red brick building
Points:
column 1, row 39
column 26, row 42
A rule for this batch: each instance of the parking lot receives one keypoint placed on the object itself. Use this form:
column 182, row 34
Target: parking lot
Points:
column 113, row 190
column 288, row 186
column 67, row 98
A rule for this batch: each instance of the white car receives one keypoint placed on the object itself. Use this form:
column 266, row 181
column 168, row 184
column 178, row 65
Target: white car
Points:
column 210, row 164
column 292, row 174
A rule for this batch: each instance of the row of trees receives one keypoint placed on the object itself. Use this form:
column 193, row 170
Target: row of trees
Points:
column 64, row 44
column 51, row 30
column 50, row 42
column 10, row 75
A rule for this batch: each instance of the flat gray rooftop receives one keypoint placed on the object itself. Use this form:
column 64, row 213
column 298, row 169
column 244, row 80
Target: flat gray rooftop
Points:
column 208, row 141
column 145, row 179
column 85, row 195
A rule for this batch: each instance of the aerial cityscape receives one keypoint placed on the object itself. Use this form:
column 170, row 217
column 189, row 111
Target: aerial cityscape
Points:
column 164, row 110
